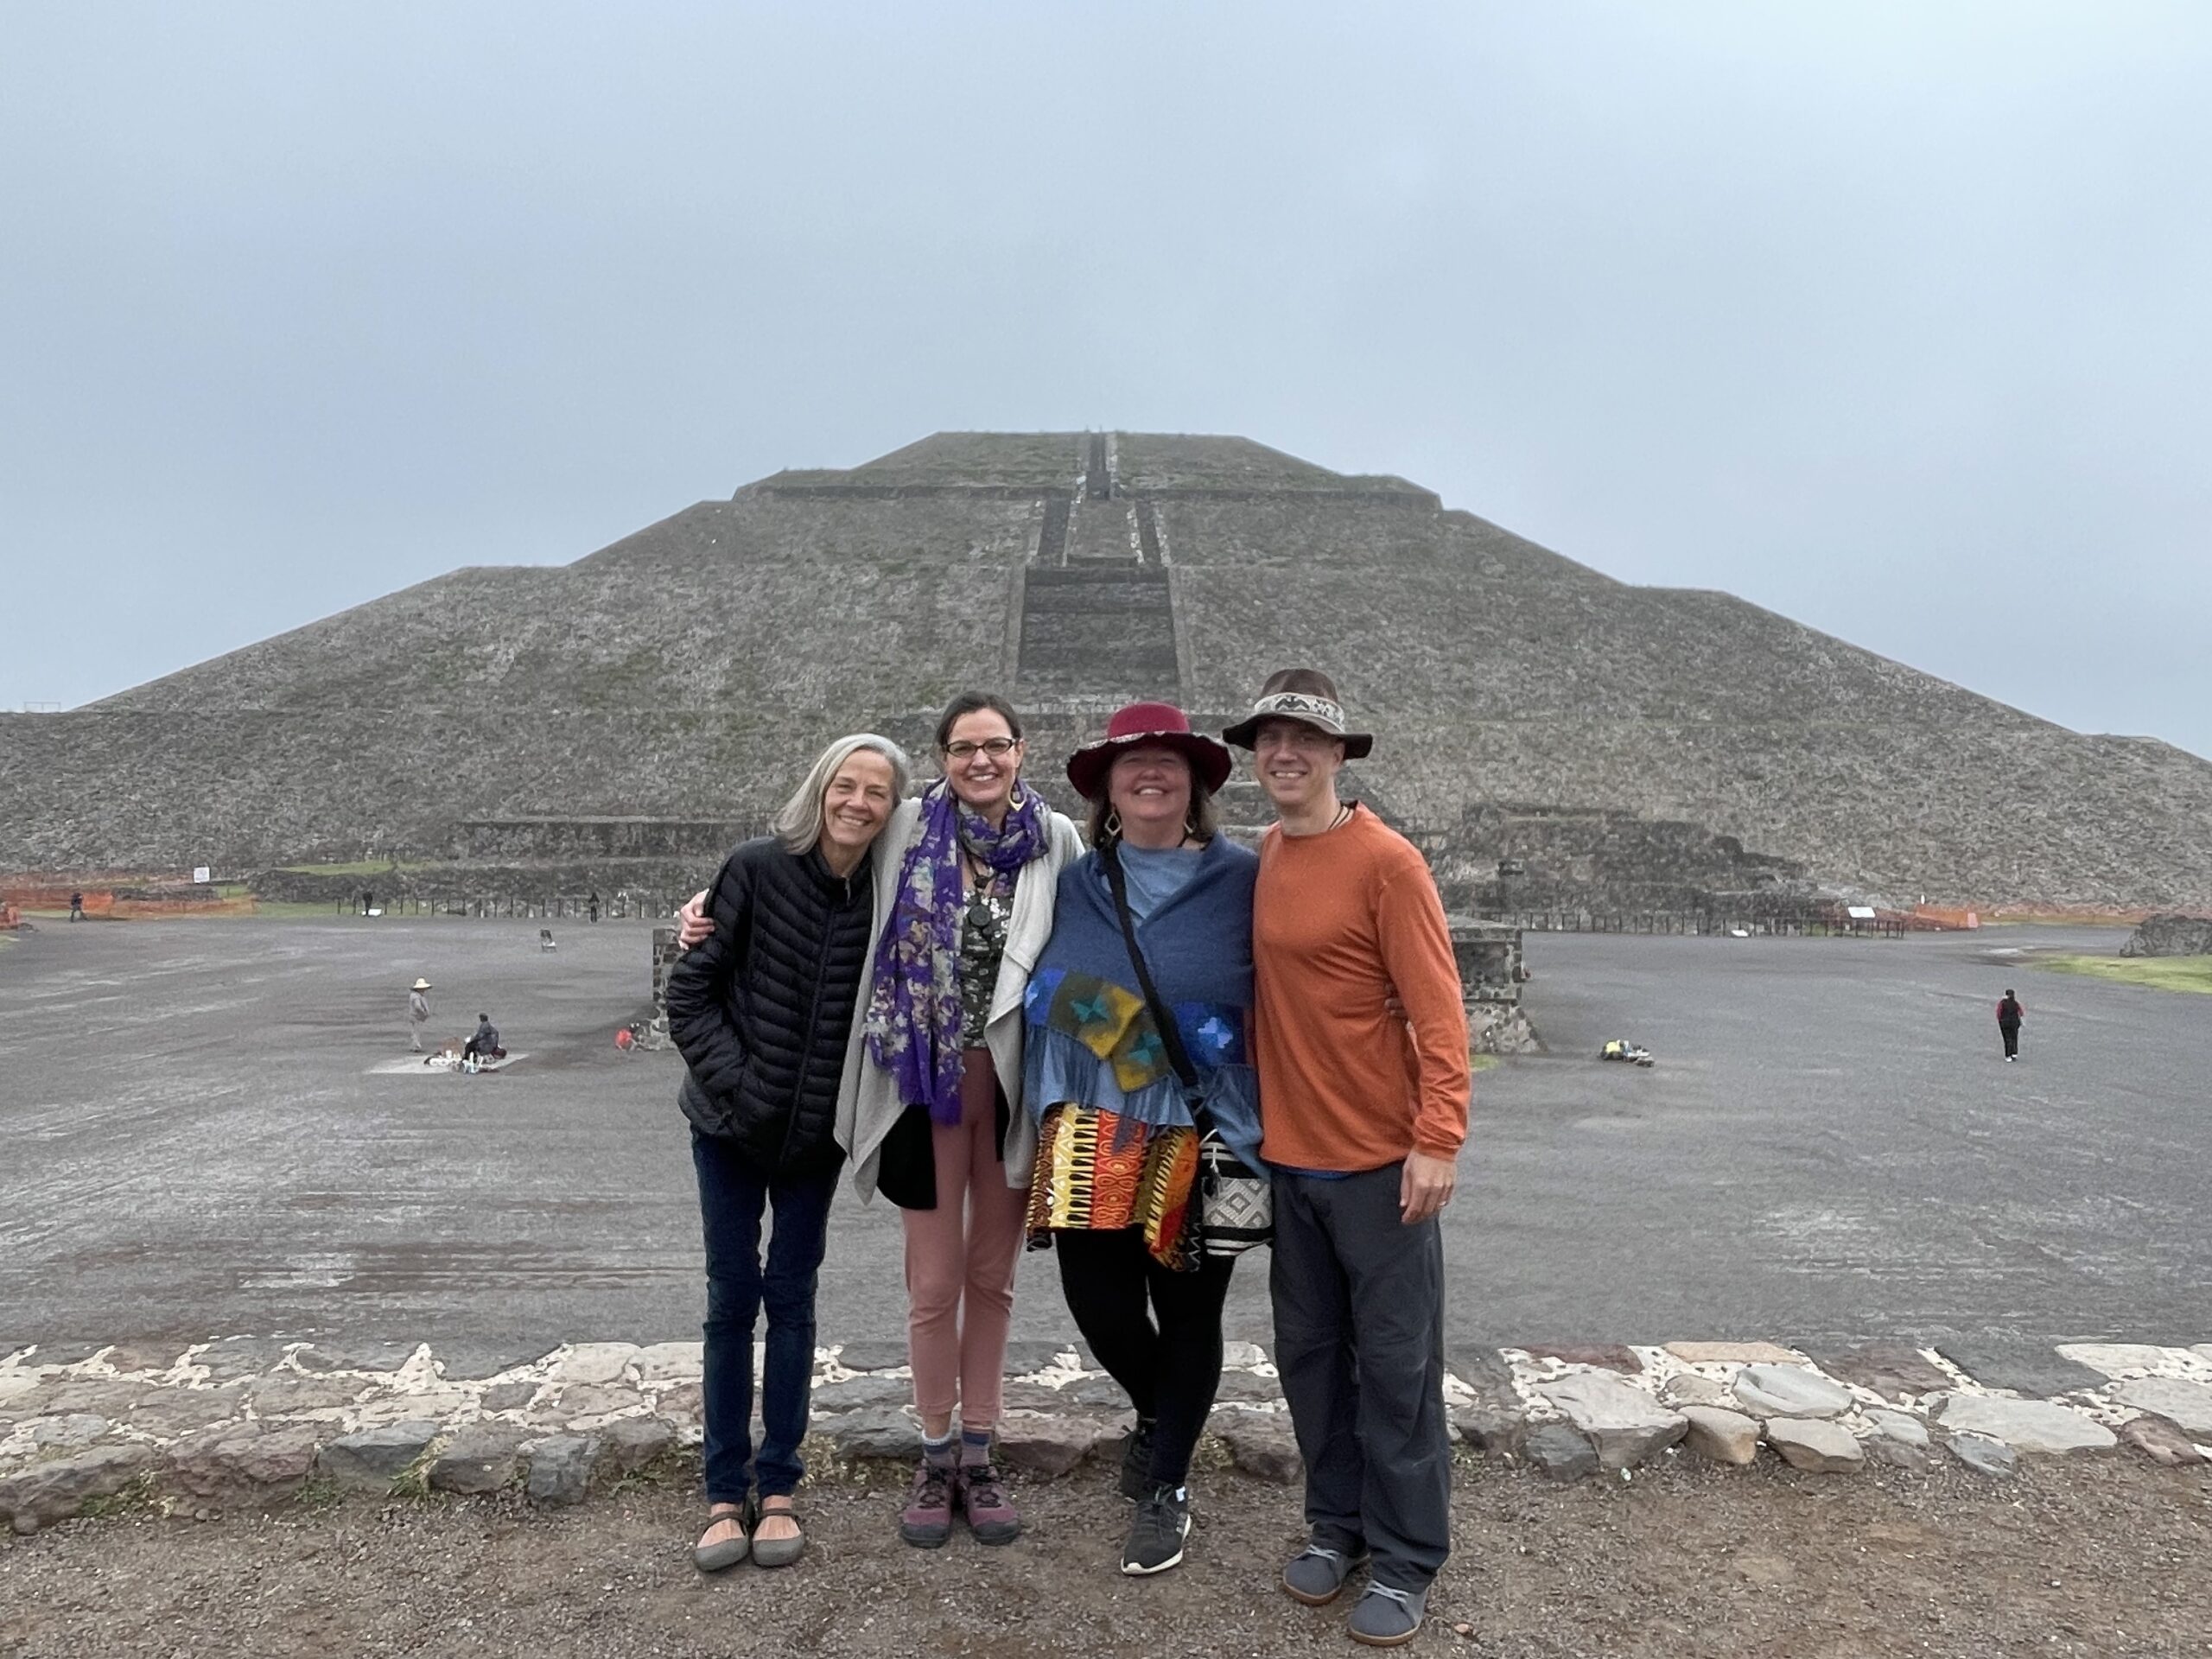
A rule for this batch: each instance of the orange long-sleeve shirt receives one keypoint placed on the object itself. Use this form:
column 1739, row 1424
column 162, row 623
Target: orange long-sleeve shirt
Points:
column 1340, row 921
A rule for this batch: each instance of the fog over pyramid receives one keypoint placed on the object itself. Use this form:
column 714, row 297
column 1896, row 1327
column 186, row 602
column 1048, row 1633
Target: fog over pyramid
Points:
column 690, row 670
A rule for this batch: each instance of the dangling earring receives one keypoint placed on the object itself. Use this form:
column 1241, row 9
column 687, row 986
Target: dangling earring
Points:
column 1112, row 827
column 1190, row 823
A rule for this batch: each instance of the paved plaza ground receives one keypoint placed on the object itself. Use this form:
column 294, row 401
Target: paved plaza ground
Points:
column 1830, row 1149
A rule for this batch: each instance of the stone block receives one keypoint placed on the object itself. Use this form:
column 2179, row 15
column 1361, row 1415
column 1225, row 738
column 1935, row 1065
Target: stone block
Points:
column 1722, row 1436
column 1814, row 1444
column 1047, row 1443
column 879, row 1432
column 168, row 1412
column 481, row 1457
column 1245, row 1386
column 563, row 1468
column 631, row 1443
column 1624, row 1424
column 595, row 1361
column 286, row 1392
column 1732, row 1353
column 1691, row 1389
column 235, row 1359
column 593, row 1401
column 2036, row 1426
column 2118, row 1360
column 508, row 1396
column 367, row 1355
column 1895, row 1371
column 79, row 1428
column 60, row 1487
column 2025, row 1368
column 670, row 1361
column 1611, row 1357
column 1900, row 1427
column 1789, row 1391
column 2161, row 1441
column 1261, row 1443
column 865, row 1389
column 1985, row 1456
column 1493, row 1430
column 370, row 1460
column 1561, row 1452
column 872, row 1355
column 2188, row 1406
column 239, row 1460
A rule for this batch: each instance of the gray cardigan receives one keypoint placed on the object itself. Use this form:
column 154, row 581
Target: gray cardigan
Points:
column 868, row 1100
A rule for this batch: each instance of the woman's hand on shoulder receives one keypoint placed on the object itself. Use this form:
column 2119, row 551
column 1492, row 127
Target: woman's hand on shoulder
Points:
column 693, row 924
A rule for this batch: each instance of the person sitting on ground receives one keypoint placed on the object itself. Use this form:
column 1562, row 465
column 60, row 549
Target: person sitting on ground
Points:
column 484, row 1044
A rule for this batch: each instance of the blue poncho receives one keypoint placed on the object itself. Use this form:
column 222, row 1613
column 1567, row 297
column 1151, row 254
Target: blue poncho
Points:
column 1091, row 1038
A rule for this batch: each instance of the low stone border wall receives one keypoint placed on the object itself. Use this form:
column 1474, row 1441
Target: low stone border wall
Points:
column 253, row 1420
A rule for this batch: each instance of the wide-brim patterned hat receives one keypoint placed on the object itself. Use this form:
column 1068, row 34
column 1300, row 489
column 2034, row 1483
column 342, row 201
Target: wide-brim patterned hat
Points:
column 1306, row 695
column 1156, row 725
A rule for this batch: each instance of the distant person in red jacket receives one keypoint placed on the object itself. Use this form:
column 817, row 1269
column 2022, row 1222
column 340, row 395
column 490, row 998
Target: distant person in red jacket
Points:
column 2008, row 1024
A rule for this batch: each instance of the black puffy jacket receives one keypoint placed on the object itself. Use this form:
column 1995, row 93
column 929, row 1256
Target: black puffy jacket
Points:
column 761, row 1010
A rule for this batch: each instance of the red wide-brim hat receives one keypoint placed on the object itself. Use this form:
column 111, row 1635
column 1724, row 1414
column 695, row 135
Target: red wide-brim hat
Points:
column 1158, row 725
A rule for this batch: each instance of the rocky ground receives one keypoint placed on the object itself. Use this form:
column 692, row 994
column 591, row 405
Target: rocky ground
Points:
column 2096, row 1556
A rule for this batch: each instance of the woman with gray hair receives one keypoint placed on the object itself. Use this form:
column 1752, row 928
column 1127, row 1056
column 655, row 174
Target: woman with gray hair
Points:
column 761, row 1009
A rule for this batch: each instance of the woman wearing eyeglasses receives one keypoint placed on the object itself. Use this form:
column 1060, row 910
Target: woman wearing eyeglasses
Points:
column 931, row 1127
column 963, row 904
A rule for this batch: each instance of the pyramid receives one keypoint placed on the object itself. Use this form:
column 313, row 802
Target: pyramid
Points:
column 685, row 674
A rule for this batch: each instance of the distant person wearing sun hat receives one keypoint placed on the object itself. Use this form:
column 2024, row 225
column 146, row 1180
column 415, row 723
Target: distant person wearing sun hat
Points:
column 418, row 1012
column 1360, row 1039
column 1116, row 1187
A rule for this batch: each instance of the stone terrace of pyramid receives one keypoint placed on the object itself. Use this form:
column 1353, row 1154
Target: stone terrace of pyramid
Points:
column 687, row 671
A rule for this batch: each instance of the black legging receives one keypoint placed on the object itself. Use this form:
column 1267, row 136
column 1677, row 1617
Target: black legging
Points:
column 1171, row 1369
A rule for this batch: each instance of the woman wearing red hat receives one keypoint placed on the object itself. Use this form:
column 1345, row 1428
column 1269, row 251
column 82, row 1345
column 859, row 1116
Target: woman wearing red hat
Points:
column 1157, row 917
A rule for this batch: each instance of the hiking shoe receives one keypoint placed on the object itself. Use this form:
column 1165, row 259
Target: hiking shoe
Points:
column 1316, row 1575
column 1155, row 1540
column 1386, row 1616
column 991, row 1515
column 1137, row 1459
column 926, row 1522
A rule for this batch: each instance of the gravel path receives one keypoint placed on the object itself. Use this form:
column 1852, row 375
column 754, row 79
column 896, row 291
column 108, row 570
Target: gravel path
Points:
column 2088, row 1556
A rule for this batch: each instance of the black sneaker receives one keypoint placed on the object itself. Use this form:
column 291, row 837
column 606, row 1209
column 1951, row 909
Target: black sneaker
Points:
column 1137, row 1459
column 1155, row 1540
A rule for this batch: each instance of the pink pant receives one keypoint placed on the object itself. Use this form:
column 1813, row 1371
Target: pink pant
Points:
column 960, row 1262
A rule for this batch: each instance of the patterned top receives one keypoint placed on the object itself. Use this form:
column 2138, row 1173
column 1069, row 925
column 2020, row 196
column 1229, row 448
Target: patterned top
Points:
column 983, row 944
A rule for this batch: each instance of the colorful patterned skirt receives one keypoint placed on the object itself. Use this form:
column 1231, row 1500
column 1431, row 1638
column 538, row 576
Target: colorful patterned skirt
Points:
column 1098, row 1172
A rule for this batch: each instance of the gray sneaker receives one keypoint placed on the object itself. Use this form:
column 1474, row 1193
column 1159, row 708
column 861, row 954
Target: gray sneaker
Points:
column 1386, row 1617
column 1316, row 1575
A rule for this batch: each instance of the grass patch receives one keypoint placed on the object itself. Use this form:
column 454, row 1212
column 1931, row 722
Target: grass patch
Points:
column 136, row 1499
column 1483, row 1062
column 2159, row 973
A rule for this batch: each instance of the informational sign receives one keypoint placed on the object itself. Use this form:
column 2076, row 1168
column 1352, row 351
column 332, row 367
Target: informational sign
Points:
column 200, row 873
column 1860, row 913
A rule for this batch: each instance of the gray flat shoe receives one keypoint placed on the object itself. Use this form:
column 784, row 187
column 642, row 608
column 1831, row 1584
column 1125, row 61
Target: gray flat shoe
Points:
column 728, row 1552
column 1316, row 1576
column 1386, row 1617
column 777, row 1552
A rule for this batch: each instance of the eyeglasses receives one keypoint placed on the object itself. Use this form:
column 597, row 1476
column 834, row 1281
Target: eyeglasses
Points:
column 997, row 748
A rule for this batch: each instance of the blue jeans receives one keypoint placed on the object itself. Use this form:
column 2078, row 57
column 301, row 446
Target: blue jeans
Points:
column 734, row 1190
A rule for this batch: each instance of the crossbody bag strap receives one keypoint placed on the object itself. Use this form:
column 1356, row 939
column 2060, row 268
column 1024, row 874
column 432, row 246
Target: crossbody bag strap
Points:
column 1171, row 1039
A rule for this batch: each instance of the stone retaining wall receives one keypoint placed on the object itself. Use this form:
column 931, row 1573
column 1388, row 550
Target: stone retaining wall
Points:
column 246, row 1420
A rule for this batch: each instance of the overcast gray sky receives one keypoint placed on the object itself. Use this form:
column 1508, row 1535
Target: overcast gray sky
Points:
column 1890, row 316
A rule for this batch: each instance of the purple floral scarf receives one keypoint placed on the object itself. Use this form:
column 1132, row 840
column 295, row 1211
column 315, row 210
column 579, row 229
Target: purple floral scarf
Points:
column 913, row 1005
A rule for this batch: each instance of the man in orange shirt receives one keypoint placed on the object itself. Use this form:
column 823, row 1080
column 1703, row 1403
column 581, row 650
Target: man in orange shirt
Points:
column 1360, row 1037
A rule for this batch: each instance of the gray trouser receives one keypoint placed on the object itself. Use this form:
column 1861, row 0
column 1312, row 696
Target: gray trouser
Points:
column 1359, row 1340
